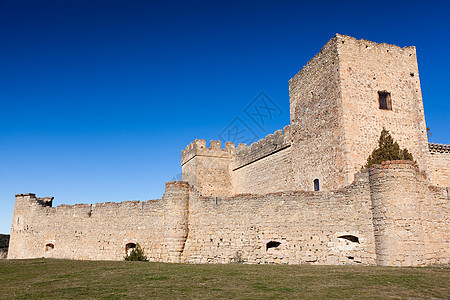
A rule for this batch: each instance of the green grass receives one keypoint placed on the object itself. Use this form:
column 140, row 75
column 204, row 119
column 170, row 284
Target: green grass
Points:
column 62, row 279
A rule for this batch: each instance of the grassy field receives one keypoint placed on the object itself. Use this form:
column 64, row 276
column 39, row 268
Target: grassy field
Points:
column 44, row 278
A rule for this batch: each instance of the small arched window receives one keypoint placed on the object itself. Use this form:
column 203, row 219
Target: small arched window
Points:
column 350, row 238
column 129, row 247
column 316, row 184
column 272, row 244
column 49, row 247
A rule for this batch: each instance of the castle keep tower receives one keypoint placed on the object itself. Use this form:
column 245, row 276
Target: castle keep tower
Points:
column 339, row 103
column 341, row 100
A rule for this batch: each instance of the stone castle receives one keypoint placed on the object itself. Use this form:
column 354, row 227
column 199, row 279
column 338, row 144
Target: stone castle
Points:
column 298, row 196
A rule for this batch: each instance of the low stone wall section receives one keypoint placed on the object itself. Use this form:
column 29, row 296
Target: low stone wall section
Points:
column 439, row 164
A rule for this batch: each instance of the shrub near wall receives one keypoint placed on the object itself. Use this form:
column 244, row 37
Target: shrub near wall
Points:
column 4, row 244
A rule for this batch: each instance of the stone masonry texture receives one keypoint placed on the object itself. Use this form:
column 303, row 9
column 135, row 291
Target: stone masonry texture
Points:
column 258, row 204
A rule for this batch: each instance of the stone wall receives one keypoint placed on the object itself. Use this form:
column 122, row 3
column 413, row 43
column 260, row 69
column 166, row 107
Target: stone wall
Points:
column 388, row 216
column 436, row 225
column 439, row 164
column 309, row 226
column 273, row 143
column 83, row 231
column 265, row 166
column 316, row 123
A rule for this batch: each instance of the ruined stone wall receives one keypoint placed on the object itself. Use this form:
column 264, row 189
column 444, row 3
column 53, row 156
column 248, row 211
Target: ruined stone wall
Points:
column 265, row 166
column 439, row 164
column 83, row 231
column 365, row 69
column 208, row 168
column 310, row 227
column 316, row 123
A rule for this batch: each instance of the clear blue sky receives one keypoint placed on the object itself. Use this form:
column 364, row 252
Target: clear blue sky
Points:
column 98, row 98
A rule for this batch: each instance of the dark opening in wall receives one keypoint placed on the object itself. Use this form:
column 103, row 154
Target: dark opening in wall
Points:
column 384, row 98
column 316, row 184
column 351, row 238
column 272, row 244
column 49, row 247
column 129, row 247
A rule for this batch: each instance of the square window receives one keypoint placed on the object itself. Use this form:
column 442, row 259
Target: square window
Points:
column 384, row 98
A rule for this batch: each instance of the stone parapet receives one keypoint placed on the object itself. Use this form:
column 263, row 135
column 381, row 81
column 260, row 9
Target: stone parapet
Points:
column 440, row 148
column 280, row 140
column 439, row 164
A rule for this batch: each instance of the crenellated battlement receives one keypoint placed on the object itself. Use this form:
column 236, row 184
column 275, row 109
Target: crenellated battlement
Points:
column 272, row 143
column 198, row 147
column 440, row 148
column 208, row 168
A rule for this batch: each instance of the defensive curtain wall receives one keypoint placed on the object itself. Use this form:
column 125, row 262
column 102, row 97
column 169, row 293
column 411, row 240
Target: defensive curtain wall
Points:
column 388, row 216
column 258, row 202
